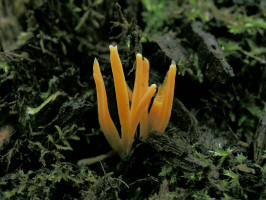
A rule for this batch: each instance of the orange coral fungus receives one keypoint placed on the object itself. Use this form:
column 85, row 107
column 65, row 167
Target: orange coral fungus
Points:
column 131, row 116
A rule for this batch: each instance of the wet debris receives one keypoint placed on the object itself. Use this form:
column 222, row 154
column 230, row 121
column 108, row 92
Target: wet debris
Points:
column 211, row 58
column 172, row 48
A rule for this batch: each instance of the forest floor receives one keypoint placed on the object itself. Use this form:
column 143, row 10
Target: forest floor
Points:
column 51, row 144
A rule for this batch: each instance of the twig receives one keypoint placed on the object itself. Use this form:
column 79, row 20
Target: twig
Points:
column 90, row 161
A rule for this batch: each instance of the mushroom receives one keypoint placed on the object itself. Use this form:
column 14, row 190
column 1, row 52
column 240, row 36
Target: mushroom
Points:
column 129, row 117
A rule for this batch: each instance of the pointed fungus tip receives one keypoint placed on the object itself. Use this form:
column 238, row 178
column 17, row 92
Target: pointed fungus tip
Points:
column 95, row 63
column 153, row 86
column 139, row 55
column 172, row 67
column 112, row 47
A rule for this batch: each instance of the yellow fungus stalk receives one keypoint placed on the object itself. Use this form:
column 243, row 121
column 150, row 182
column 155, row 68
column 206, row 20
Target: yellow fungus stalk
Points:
column 144, row 122
column 162, row 105
column 105, row 120
column 121, row 90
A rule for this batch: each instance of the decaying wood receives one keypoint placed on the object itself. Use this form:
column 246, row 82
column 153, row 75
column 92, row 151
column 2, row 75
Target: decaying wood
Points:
column 211, row 58
column 260, row 138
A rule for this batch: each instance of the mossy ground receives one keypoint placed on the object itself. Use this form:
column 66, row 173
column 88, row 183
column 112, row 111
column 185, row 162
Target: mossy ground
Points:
column 215, row 144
